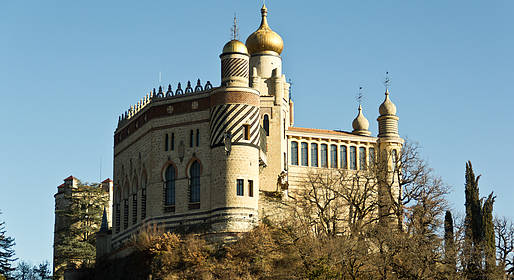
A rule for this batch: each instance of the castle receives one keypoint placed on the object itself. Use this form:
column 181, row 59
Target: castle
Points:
column 201, row 158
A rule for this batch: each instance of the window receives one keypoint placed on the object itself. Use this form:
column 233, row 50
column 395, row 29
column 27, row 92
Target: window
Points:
column 118, row 218
column 191, row 138
column 125, row 213
column 197, row 137
column 143, row 196
column 371, row 157
column 314, row 155
column 265, row 124
column 344, row 159
column 134, row 208
column 166, row 143
column 194, row 174
column 246, row 131
column 173, row 141
column 362, row 158
column 284, row 129
column 353, row 158
column 250, row 188
column 324, row 155
column 333, row 156
column 169, row 191
column 395, row 159
column 294, row 153
column 240, row 187
column 305, row 154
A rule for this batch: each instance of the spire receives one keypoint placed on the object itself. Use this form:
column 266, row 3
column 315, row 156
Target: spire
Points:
column 235, row 29
column 105, row 226
column 264, row 39
column 264, row 14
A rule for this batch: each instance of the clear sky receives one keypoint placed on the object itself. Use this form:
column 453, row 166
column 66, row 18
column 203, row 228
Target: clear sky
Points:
column 69, row 69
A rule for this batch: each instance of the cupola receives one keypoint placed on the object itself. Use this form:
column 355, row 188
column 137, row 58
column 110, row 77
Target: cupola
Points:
column 387, row 107
column 264, row 40
column 361, row 124
column 235, row 46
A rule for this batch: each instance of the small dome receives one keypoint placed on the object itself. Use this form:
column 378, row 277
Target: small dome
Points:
column 360, row 124
column 387, row 107
column 235, row 46
column 264, row 39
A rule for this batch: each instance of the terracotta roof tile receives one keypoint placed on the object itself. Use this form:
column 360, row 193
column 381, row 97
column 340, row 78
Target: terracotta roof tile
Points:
column 108, row 180
column 316, row 130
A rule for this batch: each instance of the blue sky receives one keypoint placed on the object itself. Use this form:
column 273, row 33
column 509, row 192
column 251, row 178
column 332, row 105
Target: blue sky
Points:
column 69, row 69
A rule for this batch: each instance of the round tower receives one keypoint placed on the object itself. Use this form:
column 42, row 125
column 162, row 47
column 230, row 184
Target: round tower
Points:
column 265, row 47
column 234, row 142
column 387, row 121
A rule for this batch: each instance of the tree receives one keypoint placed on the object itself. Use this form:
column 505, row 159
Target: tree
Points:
column 449, row 244
column 77, row 245
column 6, row 252
column 24, row 271
column 42, row 270
column 473, row 224
column 504, row 230
column 489, row 244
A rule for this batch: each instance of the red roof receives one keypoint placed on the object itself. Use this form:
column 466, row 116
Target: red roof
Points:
column 60, row 186
column 108, row 180
column 316, row 130
column 70, row 178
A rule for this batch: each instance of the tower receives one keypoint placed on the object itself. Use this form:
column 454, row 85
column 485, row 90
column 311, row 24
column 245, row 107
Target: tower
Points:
column 265, row 47
column 234, row 143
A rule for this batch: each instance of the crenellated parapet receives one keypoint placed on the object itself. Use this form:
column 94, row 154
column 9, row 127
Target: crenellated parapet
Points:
column 161, row 95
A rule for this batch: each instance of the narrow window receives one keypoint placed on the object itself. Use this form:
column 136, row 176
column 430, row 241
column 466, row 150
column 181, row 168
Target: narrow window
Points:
column 169, row 186
column 344, row 159
column 250, row 188
column 166, row 143
column 143, row 203
column 240, row 187
column 324, row 155
column 173, row 141
column 353, row 158
column 333, row 156
column 284, row 128
column 362, row 158
column 118, row 218
column 371, row 157
column 125, row 213
column 194, row 174
column 134, row 208
column 305, row 154
column 191, row 138
column 197, row 137
column 294, row 153
column 314, row 155
column 395, row 159
column 265, row 124
column 246, row 128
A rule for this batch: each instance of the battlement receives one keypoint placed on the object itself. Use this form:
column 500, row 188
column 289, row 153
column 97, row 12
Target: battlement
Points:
column 161, row 95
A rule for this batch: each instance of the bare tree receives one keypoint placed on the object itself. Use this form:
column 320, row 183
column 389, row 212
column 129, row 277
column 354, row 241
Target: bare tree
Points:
column 504, row 230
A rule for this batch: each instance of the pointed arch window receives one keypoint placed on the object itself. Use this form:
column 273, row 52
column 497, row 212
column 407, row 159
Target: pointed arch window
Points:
column 143, row 197
column 194, row 175
column 169, row 192
column 265, row 124
column 134, row 203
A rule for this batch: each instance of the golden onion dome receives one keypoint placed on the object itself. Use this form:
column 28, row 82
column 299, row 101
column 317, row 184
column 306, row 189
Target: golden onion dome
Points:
column 235, row 46
column 387, row 107
column 264, row 39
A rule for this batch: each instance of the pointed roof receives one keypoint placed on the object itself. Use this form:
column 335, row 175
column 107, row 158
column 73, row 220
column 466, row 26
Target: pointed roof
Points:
column 70, row 178
column 108, row 180
column 104, row 226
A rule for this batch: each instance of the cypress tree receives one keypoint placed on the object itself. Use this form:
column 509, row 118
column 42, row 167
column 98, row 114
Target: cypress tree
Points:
column 473, row 225
column 6, row 253
column 489, row 244
column 449, row 243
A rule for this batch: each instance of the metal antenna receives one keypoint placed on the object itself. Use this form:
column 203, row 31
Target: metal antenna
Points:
column 290, row 81
column 235, row 29
column 387, row 81
column 360, row 96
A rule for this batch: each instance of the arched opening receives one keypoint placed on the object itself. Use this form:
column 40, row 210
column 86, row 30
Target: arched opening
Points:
column 265, row 124
column 194, row 175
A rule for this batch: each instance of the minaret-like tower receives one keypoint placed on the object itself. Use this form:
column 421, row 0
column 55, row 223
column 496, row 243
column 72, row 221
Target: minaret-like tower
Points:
column 360, row 124
column 234, row 142
column 265, row 47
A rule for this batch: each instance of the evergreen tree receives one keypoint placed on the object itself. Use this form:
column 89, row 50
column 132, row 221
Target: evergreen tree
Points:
column 449, row 244
column 489, row 244
column 473, row 225
column 42, row 270
column 6, row 252
column 77, row 246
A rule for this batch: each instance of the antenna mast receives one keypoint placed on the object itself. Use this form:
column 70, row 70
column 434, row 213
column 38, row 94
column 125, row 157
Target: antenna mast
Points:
column 360, row 96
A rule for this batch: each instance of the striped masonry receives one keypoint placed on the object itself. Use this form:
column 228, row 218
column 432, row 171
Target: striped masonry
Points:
column 231, row 67
column 233, row 118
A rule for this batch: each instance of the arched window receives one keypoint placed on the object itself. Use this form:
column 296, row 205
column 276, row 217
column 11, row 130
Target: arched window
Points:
column 265, row 124
column 344, row 160
column 169, row 186
column 194, row 175
column 134, row 202
column 118, row 211
column 125, row 206
column 294, row 153
column 333, row 156
column 324, row 155
column 314, row 155
column 143, row 196
column 353, row 158
column 305, row 154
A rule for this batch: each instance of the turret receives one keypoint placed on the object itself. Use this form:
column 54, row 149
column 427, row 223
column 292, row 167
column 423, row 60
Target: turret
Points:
column 234, row 64
column 360, row 124
column 387, row 121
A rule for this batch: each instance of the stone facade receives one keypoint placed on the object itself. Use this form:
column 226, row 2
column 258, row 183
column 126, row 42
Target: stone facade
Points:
column 202, row 159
